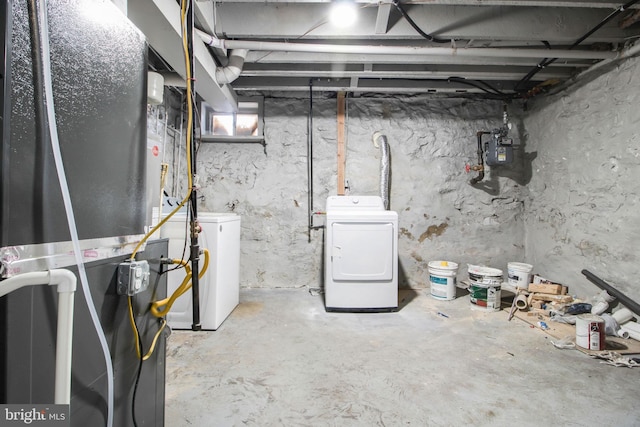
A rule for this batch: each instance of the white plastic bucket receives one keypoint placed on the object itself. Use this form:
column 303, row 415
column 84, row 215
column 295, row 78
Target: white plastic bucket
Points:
column 442, row 278
column 485, row 288
column 484, row 275
column 590, row 332
column 519, row 274
column 485, row 297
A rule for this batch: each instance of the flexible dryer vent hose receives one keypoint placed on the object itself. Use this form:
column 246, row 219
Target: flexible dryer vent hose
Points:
column 380, row 141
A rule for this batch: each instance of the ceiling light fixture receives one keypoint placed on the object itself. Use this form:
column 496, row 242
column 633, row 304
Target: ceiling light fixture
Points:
column 343, row 14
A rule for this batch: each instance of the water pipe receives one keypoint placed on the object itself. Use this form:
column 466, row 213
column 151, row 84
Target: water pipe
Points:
column 66, row 286
column 66, row 197
column 480, row 166
column 480, row 52
column 624, row 53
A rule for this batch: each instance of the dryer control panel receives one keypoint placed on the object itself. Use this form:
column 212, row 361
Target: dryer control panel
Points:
column 371, row 203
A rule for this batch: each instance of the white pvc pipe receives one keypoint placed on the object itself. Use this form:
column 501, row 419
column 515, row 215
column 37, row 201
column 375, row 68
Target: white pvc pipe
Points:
column 232, row 71
column 623, row 315
column 66, row 283
column 622, row 333
column 401, row 50
column 64, row 339
column 632, row 334
column 523, row 3
column 224, row 75
column 23, row 280
column 626, row 53
column 521, row 302
column 631, row 326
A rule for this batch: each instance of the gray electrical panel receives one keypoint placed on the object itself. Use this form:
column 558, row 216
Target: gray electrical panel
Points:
column 499, row 149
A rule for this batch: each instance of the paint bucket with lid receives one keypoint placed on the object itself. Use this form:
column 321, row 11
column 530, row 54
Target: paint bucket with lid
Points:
column 484, row 288
column 590, row 332
column 442, row 279
column 519, row 274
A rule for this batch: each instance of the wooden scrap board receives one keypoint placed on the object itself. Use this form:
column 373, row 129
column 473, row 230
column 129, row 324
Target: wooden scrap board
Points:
column 562, row 330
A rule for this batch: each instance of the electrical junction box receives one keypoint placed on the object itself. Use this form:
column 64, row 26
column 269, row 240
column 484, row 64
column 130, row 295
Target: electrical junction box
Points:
column 133, row 277
column 499, row 150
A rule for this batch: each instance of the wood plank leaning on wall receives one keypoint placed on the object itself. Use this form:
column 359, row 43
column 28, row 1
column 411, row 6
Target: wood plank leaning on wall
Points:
column 341, row 143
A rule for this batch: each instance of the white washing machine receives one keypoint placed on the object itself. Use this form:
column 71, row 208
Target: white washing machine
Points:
column 219, row 287
column 361, row 255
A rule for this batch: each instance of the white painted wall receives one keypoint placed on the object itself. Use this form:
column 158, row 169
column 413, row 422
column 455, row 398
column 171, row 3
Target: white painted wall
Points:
column 441, row 216
column 583, row 208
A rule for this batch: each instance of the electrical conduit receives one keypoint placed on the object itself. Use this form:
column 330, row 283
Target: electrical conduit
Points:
column 66, row 197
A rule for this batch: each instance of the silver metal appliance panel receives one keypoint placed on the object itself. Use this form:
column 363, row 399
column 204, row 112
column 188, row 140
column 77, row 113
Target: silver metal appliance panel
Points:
column 99, row 65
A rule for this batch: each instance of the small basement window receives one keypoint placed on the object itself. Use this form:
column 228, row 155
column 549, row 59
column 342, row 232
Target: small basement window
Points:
column 244, row 126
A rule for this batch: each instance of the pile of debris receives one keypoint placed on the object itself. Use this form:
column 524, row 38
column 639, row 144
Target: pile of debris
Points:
column 545, row 301
column 542, row 294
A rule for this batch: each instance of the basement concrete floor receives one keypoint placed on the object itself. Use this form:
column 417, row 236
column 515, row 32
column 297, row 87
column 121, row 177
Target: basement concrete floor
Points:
column 281, row 360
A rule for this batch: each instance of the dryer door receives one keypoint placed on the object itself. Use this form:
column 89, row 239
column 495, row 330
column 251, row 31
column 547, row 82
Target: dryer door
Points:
column 362, row 251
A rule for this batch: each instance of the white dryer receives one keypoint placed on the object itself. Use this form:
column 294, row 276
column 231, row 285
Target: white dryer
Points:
column 361, row 255
column 219, row 287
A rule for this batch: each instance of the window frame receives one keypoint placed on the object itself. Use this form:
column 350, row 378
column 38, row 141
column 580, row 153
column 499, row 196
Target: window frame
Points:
column 244, row 107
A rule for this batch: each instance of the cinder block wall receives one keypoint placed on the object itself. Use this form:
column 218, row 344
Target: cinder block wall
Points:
column 583, row 207
column 441, row 216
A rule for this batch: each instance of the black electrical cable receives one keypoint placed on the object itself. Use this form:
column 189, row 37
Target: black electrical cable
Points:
column 533, row 71
column 135, row 387
column 406, row 16
column 310, row 162
column 546, row 62
column 42, row 167
column 487, row 88
column 495, row 90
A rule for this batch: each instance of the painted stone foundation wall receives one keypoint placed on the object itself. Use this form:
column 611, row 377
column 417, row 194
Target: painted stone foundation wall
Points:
column 583, row 207
column 441, row 216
